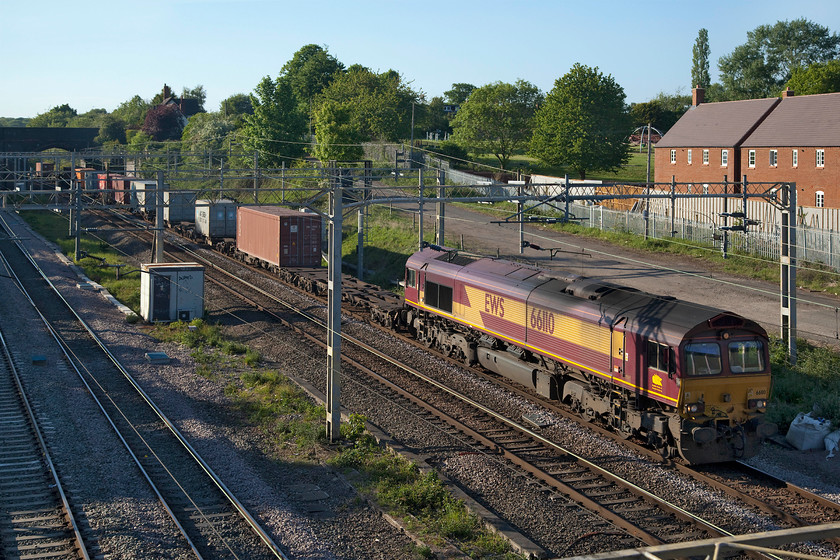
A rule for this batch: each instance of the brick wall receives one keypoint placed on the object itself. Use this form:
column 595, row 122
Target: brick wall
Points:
column 808, row 177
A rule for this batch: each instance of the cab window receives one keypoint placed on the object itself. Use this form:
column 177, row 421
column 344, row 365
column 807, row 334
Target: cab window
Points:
column 702, row 358
column 411, row 278
column 746, row 356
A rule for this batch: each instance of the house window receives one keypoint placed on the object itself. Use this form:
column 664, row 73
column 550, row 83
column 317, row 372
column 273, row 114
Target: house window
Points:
column 795, row 158
column 820, row 199
column 724, row 158
column 689, row 157
column 705, row 157
column 820, row 158
column 673, row 156
column 774, row 158
column 752, row 158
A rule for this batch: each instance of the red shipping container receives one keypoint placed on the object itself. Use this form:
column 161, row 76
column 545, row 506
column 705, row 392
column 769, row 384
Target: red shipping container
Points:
column 122, row 187
column 279, row 236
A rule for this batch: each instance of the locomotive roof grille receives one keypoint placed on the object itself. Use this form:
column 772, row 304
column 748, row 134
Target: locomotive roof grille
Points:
column 456, row 258
column 726, row 321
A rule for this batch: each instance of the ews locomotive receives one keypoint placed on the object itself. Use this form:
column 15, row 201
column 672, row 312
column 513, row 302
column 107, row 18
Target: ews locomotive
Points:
column 691, row 380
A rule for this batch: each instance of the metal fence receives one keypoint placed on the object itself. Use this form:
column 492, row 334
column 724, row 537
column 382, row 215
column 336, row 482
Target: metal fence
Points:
column 812, row 245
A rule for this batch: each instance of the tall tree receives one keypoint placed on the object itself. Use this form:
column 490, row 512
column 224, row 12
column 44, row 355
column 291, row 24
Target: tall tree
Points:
column 583, row 124
column 379, row 104
column 207, row 131
column 277, row 126
column 238, row 104
column 817, row 78
column 309, row 72
column 761, row 66
column 111, row 130
column 59, row 116
column 336, row 137
column 497, row 119
column 459, row 93
column 700, row 60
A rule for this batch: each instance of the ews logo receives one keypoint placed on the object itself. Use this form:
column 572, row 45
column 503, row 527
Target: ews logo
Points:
column 494, row 305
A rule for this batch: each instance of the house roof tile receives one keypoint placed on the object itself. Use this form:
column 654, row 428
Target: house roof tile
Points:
column 809, row 120
column 714, row 125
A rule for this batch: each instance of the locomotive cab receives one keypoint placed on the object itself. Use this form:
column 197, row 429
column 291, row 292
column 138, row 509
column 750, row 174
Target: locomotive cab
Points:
column 724, row 378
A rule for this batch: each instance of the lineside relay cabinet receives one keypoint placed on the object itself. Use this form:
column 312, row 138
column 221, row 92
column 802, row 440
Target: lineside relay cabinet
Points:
column 171, row 292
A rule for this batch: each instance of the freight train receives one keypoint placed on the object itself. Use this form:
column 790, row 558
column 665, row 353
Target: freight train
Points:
column 691, row 380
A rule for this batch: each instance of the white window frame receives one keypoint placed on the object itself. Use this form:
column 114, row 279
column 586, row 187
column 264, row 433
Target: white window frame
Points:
column 751, row 158
column 820, row 158
column 688, row 155
column 774, row 158
column 794, row 158
column 705, row 157
column 724, row 158
column 820, row 199
column 673, row 156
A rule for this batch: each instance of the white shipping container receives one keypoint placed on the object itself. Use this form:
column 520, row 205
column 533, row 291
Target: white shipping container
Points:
column 215, row 218
column 171, row 291
column 141, row 200
column 179, row 206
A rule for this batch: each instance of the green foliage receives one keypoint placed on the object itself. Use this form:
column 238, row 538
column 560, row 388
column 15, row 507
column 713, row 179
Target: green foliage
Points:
column 378, row 105
column 310, row 72
column 449, row 149
column 583, row 123
column 459, row 93
column 432, row 117
column 198, row 92
column 336, row 136
column 57, row 117
column 812, row 385
column 817, row 78
column 14, row 121
column 132, row 112
column 236, row 107
column 207, row 131
column 498, row 119
column 700, row 60
column 761, row 66
column 277, row 126
column 111, row 130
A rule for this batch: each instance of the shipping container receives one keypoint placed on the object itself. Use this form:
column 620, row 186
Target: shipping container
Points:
column 122, row 188
column 171, row 291
column 179, row 206
column 141, row 200
column 80, row 173
column 215, row 219
column 105, row 186
column 279, row 236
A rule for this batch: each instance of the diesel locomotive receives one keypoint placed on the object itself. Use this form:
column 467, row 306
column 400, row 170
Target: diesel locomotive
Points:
column 691, row 380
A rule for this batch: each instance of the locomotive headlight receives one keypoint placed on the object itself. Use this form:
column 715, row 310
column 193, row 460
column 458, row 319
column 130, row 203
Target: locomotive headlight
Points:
column 757, row 403
column 696, row 408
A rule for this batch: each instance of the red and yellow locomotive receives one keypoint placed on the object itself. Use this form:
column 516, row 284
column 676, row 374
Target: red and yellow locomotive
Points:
column 692, row 380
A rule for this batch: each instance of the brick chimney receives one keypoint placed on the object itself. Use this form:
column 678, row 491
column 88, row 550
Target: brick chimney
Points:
column 698, row 95
column 787, row 93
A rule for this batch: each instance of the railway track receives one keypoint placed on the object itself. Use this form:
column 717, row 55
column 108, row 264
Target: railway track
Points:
column 633, row 510
column 37, row 519
column 209, row 518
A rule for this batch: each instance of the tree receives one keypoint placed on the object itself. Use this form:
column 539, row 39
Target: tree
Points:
column 165, row 93
column 497, row 119
column 432, row 118
column 164, row 122
column 91, row 119
column 309, row 72
column 700, row 60
column 111, row 130
column 277, row 126
column 583, row 123
column 379, row 105
column 817, row 78
column 207, row 131
column 132, row 112
column 335, row 135
column 459, row 93
column 238, row 104
column 761, row 66
column 57, row 117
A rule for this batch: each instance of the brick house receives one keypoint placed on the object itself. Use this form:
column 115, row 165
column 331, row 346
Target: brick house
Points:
column 704, row 145
column 799, row 141
column 790, row 138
